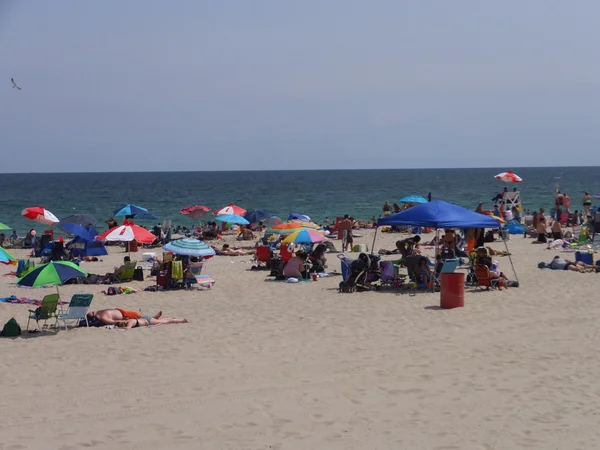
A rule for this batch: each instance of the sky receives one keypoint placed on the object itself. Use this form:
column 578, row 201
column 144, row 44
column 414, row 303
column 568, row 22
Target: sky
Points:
column 152, row 85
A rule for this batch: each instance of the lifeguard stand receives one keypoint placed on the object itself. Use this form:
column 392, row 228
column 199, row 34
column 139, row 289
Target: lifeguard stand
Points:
column 512, row 198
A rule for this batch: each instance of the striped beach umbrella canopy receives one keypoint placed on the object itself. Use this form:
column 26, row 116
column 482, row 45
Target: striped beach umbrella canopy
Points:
column 126, row 233
column 54, row 272
column 232, row 218
column 6, row 258
column 508, row 177
column 230, row 209
column 189, row 247
column 304, row 237
column 40, row 214
column 292, row 226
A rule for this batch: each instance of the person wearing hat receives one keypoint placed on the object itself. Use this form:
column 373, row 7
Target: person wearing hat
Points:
column 58, row 249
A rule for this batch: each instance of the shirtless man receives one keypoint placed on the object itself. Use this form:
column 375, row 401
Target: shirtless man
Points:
column 114, row 315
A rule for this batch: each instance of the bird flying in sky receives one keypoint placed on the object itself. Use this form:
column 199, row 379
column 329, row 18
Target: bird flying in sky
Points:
column 15, row 85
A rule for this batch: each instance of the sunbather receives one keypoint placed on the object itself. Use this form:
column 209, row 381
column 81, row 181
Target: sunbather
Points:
column 559, row 263
column 145, row 321
column 113, row 315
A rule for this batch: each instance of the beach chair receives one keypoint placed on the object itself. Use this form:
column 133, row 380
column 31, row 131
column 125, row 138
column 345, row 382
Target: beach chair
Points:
column 77, row 310
column 127, row 272
column 263, row 256
column 389, row 275
column 449, row 266
column 484, row 279
column 47, row 310
column 284, row 252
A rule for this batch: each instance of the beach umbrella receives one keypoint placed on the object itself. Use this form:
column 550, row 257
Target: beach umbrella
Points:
column 80, row 219
column 147, row 216
column 79, row 231
column 298, row 216
column 230, row 209
column 413, row 199
column 54, row 272
column 508, row 177
column 196, row 212
column 189, row 247
column 6, row 258
column 126, row 233
column 4, row 227
column 129, row 210
column 257, row 215
column 290, row 227
column 272, row 221
column 40, row 214
column 232, row 218
column 304, row 237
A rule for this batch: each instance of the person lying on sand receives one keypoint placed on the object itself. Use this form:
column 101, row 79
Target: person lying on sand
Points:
column 146, row 321
column 228, row 251
column 559, row 263
column 113, row 315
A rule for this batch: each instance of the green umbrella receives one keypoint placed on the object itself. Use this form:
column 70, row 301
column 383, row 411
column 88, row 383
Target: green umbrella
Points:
column 4, row 227
column 54, row 272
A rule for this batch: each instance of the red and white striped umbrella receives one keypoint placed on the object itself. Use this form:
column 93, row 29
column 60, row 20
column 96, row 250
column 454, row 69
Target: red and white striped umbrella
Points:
column 508, row 177
column 40, row 214
column 126, row 233
column 196, row 212
column 230, row 209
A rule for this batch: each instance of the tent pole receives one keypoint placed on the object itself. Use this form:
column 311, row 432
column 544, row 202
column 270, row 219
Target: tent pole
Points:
column 511, row 261
column 374, row 237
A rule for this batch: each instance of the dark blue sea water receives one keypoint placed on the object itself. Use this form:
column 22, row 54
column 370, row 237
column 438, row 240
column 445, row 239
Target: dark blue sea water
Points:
column 317, row 193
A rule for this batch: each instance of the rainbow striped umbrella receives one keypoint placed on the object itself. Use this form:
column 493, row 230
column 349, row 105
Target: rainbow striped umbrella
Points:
column 304, row 237
column 294, row 225
column 189, row 247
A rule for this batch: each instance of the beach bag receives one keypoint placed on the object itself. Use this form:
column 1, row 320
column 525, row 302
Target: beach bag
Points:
column 11, row 329
column 138, row 274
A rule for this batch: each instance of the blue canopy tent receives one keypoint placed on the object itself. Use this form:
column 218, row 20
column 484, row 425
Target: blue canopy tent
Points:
column 439, row 214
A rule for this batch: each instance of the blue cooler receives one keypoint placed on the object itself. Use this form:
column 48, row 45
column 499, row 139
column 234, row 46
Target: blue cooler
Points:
column 584, row 257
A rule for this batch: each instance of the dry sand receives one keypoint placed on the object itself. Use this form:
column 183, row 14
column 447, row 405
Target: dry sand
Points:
column 270, row 365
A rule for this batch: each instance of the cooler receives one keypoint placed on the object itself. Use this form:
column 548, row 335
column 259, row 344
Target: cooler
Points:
column 584, row 257
column 452, row 290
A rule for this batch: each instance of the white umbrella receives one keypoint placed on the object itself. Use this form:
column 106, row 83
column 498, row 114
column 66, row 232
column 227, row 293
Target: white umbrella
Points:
column 508, row 177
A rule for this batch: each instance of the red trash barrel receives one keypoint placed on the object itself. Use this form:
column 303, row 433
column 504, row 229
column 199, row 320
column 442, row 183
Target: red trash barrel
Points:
column 452, row 290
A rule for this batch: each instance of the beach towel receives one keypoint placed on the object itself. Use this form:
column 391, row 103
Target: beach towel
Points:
column 23, row 301
column 177, row 270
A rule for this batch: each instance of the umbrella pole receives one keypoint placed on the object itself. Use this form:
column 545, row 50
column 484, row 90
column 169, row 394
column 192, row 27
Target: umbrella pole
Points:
column 374, row 237
column 511, row 261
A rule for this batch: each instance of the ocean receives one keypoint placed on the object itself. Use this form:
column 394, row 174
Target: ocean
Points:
column 317, row 193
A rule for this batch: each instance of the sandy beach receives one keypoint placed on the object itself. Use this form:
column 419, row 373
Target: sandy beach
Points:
column 271, row 365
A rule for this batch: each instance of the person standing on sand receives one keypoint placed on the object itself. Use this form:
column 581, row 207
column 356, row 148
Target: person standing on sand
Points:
column 387, row 209
column 345, row 228
column 587, row 202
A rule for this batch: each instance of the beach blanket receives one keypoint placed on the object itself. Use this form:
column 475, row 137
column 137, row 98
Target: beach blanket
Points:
column 23, row 301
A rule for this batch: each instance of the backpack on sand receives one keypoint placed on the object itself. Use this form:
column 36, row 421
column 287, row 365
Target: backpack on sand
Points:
column 11, row 329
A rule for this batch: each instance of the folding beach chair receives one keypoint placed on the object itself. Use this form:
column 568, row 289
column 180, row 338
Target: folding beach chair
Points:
column 263, row 256
column 284, row 252
column 449, row 266
column 127, row 272
column 47, row 310
column 484, row 279
column 77, row 310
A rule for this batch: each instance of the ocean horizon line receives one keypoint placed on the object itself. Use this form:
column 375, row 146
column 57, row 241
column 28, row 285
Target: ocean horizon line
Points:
column 505, row 168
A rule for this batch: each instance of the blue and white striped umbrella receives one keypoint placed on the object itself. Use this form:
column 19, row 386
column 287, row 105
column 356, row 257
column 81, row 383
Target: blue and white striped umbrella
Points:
column 189, row 247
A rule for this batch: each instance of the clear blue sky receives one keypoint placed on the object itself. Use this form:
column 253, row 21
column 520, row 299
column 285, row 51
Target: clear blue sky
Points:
column 203, row 85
